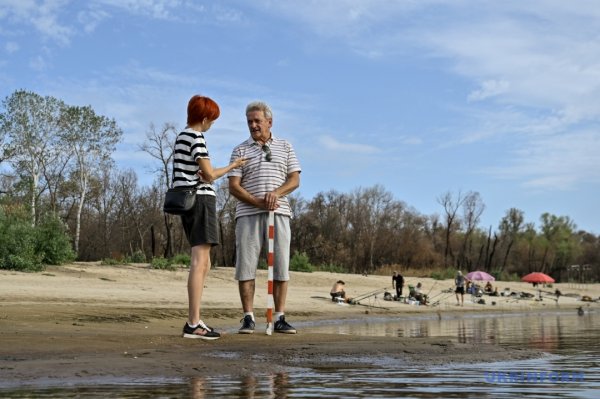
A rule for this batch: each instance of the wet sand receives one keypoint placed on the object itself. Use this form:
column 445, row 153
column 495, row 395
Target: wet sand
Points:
column 85, row 323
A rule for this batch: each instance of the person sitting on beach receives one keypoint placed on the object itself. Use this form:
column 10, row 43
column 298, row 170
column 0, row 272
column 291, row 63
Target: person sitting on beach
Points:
column 418, row 295
column 495, row 293
column 488, row 288
column 338, row 291
column 468, row 287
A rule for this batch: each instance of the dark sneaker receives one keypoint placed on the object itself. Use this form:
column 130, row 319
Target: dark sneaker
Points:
column 282, row 326
column 207, row 328
column 201, row 331
column 247, row 325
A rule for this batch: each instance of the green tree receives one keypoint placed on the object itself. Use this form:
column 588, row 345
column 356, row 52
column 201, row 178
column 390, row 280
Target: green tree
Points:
column 31, row 133
column 93, row 139
column 510, row 228
column 560, row 245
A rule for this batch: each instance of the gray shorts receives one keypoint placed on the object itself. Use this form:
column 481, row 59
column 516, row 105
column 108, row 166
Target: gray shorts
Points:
column 251, row 240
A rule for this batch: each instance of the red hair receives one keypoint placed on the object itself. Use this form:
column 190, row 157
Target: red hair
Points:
column 200, row 107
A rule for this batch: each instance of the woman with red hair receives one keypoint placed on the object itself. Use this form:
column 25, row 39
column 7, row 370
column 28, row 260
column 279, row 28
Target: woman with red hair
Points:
column 192, row 168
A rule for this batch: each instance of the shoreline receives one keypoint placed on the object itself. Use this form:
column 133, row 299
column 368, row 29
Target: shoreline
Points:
column 85, row 323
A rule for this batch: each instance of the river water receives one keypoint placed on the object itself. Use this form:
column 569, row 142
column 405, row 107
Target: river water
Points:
column 571, row 368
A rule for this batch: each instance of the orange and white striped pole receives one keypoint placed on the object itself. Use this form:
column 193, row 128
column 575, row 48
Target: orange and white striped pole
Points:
column 270, row 261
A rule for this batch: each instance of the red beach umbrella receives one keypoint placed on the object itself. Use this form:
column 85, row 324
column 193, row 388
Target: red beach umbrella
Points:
column 537, row 277
column 479, row 276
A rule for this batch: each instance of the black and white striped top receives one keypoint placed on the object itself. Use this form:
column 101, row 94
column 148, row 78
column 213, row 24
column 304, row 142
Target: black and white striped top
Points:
column 259, row 176
column 189, row 147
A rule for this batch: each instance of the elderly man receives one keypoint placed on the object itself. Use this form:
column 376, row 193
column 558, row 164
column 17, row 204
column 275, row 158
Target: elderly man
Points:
column 271, row 172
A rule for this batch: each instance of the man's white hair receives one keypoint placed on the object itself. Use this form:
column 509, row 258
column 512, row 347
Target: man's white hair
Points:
column 260, row 106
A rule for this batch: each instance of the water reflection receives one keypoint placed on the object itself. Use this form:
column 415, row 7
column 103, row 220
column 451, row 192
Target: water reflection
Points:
column 279, row 385
column 548, row 332
column 248, row 386
column 573, row 340
column 198, row 388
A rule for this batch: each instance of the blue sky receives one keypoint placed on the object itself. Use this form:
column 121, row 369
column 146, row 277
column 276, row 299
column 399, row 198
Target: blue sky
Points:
column 422, row 97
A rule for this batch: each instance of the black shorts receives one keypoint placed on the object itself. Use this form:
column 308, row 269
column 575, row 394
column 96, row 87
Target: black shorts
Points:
column 460, row 290
column 200, row 223
column 339, row 294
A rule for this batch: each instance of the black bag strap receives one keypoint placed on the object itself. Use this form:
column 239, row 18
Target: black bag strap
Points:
column 185, row 188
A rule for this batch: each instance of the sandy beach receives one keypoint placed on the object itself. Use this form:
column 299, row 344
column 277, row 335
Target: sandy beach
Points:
column 86, row 322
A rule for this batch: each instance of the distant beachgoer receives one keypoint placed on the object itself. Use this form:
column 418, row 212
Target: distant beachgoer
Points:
column 488, row 287
column 418, row 295
column 398, row 283
column 558, row 294
column 338, row 291
column 459, row 282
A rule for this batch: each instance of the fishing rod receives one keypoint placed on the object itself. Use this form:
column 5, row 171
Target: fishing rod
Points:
column 367, row 295
column 449, row 290
column 436, row 303
column 438, row 294
column 370, row 306
column 428, row 292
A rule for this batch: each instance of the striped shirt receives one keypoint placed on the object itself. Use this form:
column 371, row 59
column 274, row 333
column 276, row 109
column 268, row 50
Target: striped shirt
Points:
column 259, row 176
column 189, row 147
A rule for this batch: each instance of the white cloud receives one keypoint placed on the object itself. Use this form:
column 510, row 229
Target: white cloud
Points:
column 489, row 88
column 159, row 9
column 556, row 162
column 340, row 18
column 60, row 20
column 543, row 55
column 40, row 15
column 332, row 144
column 91, row 18
column 225, row 14
column 411, row 140
column 537, row 64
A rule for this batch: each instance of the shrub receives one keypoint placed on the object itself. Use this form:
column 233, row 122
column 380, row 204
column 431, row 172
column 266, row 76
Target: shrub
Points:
column 136, row 257
column 22, row 264
column 301, row 263
column 162, row 264
column 52, row 242
column 110, row 262
column 18, row 244
column 182, row 259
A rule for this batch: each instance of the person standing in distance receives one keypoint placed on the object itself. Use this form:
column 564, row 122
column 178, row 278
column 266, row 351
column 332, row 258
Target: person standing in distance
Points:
column 262, row 185
column 398, row 283
column 192, row 168
column 459, row 282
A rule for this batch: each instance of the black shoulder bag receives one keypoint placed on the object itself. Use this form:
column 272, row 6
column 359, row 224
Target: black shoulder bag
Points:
column 179, row 200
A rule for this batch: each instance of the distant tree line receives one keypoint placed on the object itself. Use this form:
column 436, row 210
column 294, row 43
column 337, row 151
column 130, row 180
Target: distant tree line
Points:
column 56, row 164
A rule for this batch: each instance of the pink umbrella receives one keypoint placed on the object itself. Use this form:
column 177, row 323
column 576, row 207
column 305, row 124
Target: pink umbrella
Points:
column 479, row 276
column 537, row 277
